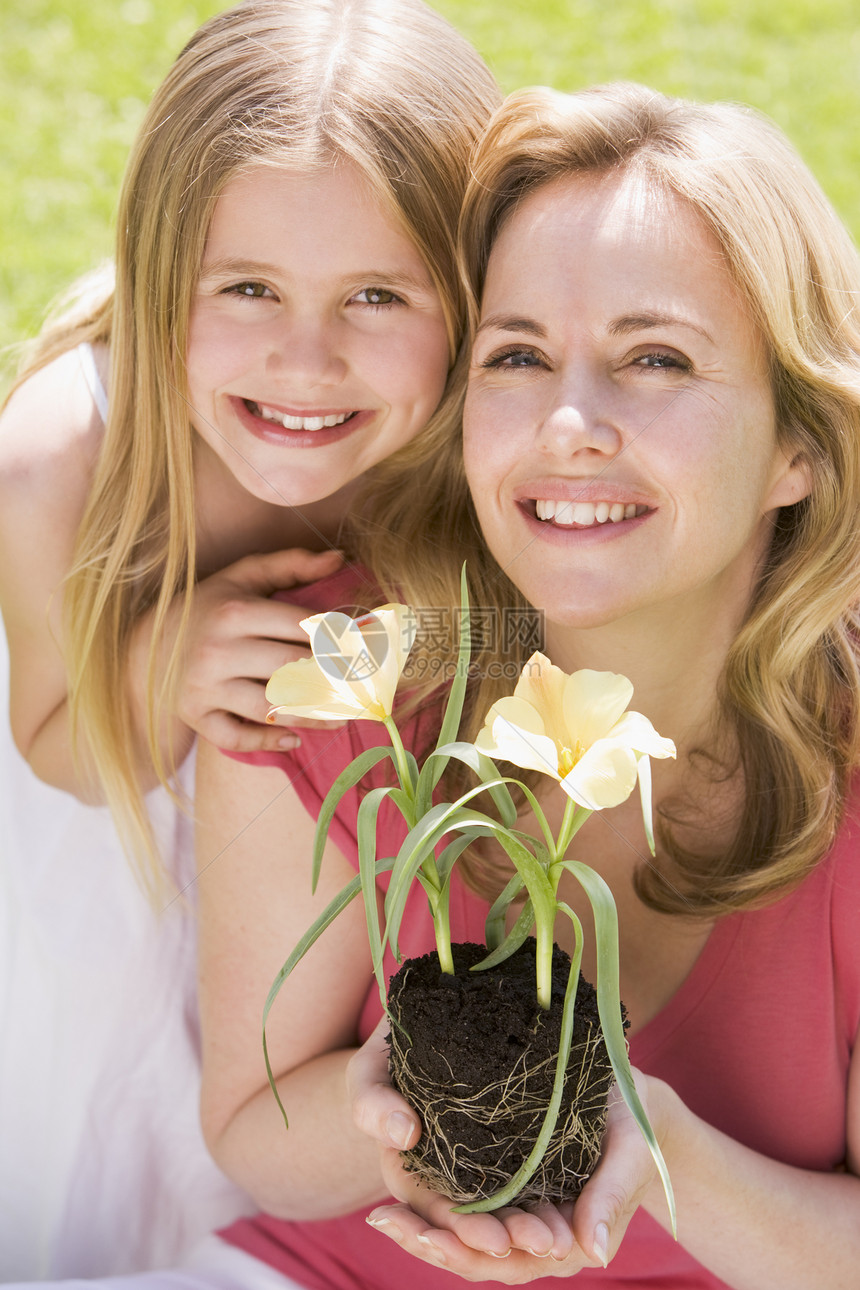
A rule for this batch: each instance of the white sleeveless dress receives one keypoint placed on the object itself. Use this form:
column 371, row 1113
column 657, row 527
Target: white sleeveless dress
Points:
column 103, row 1169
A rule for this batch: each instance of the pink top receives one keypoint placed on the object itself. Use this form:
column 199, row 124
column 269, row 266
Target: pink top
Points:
column 757, row 1041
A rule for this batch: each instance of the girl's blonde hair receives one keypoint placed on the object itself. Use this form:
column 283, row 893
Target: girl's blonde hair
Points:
column 791, row 691
column 388, row 85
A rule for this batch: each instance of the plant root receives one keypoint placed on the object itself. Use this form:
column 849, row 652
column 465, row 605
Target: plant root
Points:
column 476, row 1137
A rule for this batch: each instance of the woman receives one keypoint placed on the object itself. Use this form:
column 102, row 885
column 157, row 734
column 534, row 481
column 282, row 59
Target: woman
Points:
column 661, row 445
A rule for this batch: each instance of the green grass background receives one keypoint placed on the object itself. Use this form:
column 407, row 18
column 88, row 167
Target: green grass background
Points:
column 75, row 76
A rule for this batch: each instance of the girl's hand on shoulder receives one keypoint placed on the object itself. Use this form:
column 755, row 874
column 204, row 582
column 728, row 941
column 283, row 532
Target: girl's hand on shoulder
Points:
column 511, row 1245
column 237, row 637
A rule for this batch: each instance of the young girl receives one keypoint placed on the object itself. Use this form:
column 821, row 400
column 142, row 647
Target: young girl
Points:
column 284, row 316
column 661, row 453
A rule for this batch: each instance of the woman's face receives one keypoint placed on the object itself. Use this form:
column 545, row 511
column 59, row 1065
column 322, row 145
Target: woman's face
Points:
column 620, row 437
column 317, row 341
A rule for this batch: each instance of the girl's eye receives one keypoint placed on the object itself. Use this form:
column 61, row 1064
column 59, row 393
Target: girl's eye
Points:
column 515, row 356
column 377, row 296
column 252, row 290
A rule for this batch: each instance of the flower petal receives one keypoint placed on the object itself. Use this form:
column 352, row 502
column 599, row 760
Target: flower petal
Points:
column 644, row 775
column 604, row 776
column 541, row 684
column 513, row 731
column 638, row 733
column 302, row 689
column 593, row 702
column 389, row 633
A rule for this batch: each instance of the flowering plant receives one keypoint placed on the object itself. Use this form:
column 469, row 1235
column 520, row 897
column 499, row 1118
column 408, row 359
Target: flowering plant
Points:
column 575, row 728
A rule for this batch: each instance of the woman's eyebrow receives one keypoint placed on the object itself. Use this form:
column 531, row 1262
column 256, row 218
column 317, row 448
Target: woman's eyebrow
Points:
column 643, row 321
column 504, row 322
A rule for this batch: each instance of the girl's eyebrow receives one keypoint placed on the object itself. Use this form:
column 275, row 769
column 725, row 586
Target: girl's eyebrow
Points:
column 229, row 267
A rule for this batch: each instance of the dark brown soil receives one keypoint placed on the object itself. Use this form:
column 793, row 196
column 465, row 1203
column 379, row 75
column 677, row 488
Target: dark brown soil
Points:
column 475, row 1055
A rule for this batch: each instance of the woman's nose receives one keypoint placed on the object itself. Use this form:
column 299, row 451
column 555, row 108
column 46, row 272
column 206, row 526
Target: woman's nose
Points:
column 580, row 419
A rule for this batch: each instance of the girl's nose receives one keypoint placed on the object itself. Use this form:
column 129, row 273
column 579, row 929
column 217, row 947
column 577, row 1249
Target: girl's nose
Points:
column 308, row 351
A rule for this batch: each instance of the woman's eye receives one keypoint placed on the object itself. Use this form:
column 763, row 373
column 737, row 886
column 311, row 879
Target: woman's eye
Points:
column 663, row 360
column 514, row 357
column 252, row 290
column 376, row 296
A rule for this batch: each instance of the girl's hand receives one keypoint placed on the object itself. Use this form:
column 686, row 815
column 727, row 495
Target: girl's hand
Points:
column 512, row 1245
column 237, row 637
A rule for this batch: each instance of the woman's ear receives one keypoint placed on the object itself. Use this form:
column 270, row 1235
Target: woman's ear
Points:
column 793, row 479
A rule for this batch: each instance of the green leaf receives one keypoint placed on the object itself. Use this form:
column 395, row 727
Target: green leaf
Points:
column 452, row 852
column 432, row 770
column 335, row 907
column 494, row 924
column 346, row 780
column 367, row 872
column 609, row 1008
column 488, row 772
column 418, row 848
column 512, row 942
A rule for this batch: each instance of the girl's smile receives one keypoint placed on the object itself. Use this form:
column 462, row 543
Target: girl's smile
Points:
column 315, row 325
column 298, row 429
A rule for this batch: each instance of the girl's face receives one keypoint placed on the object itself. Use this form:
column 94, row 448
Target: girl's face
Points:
column 317, row 341
column 620, row 436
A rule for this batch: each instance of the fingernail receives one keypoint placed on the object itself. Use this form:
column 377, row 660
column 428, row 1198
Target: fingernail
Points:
column 432, row 1248
column 289, row 742
column 600, row 1243
column 499, row 1256
column 400, row 1129
column 537, row 1254
column 385, row 1225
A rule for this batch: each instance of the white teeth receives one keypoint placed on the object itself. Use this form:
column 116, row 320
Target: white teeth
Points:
column 299, row 423
column 583, row 514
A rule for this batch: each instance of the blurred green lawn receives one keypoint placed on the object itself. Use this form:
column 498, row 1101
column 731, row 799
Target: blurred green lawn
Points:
column 75, row 76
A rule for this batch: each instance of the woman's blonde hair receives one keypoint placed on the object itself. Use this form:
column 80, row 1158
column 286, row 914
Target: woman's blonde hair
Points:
column 388, row 85
column 791, row 691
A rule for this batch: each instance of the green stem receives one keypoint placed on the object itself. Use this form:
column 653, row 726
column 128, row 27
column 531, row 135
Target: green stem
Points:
column 572, row 821
column 442, row 932
column 543, row 961
column 400, row 762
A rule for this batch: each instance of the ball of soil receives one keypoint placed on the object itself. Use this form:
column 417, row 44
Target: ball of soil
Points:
column 475, row 1055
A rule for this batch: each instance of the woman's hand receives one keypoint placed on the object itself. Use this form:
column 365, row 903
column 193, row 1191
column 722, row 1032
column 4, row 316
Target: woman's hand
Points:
column 512, row 1245
column 237, row 637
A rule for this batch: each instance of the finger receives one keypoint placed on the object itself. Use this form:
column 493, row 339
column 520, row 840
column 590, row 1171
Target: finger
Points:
column 541, row 1231
column 242, row 614
column 412, row 1230
column 307, row 723
column 482, row 1232
column 232, row 735
column 444, row 1249
column 278, row 570
column 377, row 1108
column 558, row 1218
column 617, row 1186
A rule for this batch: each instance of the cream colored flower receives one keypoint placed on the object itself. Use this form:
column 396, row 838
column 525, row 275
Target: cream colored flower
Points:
column 577, row 729
column 355, row 667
